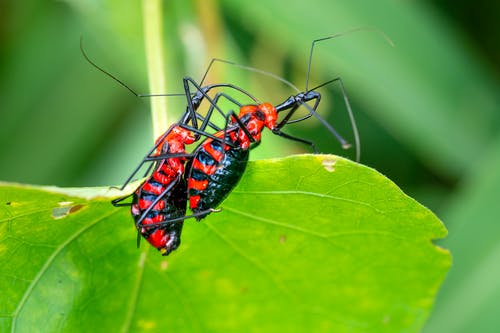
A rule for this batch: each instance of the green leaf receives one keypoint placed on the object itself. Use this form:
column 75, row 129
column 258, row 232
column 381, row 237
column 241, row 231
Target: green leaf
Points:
column 307, row 243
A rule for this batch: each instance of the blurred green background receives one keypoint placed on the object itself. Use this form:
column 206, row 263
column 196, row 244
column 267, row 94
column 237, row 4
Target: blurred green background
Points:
column 428, row 109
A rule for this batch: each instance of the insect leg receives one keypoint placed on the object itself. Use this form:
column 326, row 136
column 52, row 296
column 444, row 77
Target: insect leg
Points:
column 167, row 156
column 240, row 124
column 117, row 202
column 208, row 135
column 216, row 99
column 351, row 118
column 182, row 218
column 155, row 201
column 144, row 160
column 293, row 138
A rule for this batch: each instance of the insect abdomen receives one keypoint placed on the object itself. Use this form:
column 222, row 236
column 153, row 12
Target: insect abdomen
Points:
column 214, row 174
column 166, row 237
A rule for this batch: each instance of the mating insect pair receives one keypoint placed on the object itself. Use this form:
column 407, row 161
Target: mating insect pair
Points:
column 208, row 174
column 212, row 170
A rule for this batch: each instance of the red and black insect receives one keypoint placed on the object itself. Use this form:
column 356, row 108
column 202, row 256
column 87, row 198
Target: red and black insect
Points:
column 217, row 164
column 217, row 167
column 159, row 204
column 161, row 196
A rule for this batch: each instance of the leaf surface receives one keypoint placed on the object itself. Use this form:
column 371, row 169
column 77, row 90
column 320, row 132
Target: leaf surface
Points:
column 306, row 243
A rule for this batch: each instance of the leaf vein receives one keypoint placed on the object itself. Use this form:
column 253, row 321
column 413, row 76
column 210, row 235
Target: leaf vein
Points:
column 253, row 261
column 47, row 263
column 320, row 195
column 187, row 306
column 135, row 293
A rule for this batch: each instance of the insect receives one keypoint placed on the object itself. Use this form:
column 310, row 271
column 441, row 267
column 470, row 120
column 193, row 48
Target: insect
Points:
column 216, row 167
column 217, row 164
column 162, row 196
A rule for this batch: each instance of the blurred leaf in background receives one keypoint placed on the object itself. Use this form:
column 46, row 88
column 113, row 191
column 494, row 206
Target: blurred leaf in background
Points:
column 428, row 109
column 469, row 300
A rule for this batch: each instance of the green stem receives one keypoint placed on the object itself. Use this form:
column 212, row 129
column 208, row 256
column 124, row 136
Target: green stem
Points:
column 153, row 36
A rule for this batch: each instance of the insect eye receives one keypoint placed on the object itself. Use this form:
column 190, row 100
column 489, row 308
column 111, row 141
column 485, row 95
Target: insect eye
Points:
column 260, row 115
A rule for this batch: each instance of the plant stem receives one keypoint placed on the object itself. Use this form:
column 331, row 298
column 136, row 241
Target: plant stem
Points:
column 153, row 36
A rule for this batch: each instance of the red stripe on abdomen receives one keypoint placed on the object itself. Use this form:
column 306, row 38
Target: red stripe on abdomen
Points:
column 206, row 169
column 193, row 201
column 152, row 189
column 164, row 179
column 157, row 219
column 216, row 155
column 199, row 185
column 144, row 204
column 158, row 238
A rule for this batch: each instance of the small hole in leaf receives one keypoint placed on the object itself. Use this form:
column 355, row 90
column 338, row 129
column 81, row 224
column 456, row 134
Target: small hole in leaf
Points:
column 61, row 212
column 329, row 165
column 282, row 239
column 8, row 203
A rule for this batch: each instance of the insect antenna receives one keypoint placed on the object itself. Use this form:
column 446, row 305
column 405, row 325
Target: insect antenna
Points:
column 354, row 126
column 252, row 69
column 123, row 84
column 340, row 34
column 342, row 88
